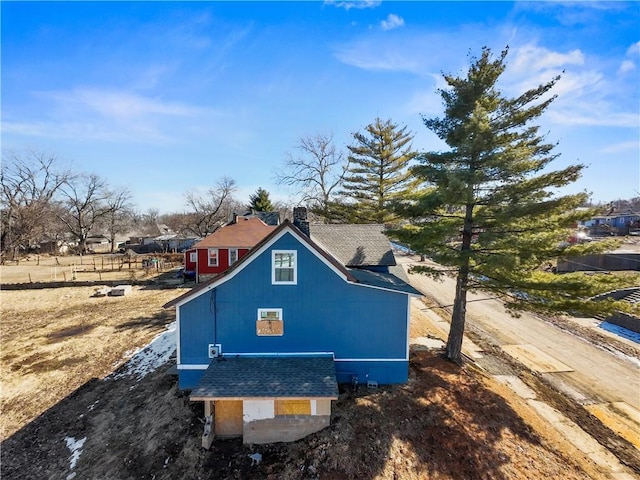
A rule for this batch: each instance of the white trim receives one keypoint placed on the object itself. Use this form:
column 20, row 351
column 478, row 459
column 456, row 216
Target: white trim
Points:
column 209, row 264
column 371, row 359
column 388, row 289
column 178, row 337
column 193, row 256
column 186, row 366
column 280, row 354
column 279, row 310
column 255, row 255
column 314, row 407
column 229, row 256
column 301, row 354
column 279, row 319
column 295, row 267
column 267, row 246
column 408, row 323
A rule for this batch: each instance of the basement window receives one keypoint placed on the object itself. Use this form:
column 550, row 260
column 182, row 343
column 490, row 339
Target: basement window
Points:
column 284, row 267
column 269, row 322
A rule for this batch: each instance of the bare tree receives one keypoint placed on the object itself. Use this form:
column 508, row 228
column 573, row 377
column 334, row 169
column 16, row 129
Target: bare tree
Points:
column 28, row 186
column 212, row 209
column 86, row 199
column 316, row 171
column 118, row 217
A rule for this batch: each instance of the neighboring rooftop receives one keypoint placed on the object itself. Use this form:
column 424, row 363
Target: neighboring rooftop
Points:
column 354, row 245
column 260, row 377
column 245, row 233
column 270, row 218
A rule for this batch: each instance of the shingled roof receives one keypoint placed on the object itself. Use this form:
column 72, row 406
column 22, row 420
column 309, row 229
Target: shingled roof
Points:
column 388, row 281
column 273, row 377
column 245, row 233
column 354, row 245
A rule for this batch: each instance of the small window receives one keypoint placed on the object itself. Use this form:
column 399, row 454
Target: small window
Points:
column 193, row 257
column 284, row 267
column 269, row 322
column 213, row 257
column 233, row 256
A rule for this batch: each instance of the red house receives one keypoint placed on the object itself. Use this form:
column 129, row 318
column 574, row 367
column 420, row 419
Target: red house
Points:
column 217, row 252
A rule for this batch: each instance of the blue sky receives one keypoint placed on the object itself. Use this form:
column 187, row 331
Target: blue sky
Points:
column 169, row 97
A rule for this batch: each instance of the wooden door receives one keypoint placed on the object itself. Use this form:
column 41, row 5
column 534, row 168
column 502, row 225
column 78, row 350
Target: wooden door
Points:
column 228, row 418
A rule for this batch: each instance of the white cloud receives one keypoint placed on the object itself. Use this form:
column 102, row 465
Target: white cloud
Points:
column 530, row 58
column 626, row 66
column 370, row 56
column 392, row 21
column 111, row 116
column 621, row 147
column 575, row 115
column 117, row 104
column 358, row 4
column 634, row 49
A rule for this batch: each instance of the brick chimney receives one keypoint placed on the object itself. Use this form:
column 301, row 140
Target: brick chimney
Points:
column 300, row 219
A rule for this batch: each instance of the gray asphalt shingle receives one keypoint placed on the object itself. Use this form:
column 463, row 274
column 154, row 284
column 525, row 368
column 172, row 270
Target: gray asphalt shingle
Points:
column 383, row 280
column 354, row 245
column 259, row 377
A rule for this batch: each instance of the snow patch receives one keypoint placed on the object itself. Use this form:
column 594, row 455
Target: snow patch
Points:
column 149, row 358
column 75, row 446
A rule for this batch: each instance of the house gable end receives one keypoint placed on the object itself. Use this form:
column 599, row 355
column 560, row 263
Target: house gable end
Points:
column 260, row 249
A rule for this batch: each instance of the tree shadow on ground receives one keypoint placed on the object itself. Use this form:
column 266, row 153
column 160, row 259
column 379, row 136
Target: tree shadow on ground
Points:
column 158, row 319
column 132, row 427
column 443, row 424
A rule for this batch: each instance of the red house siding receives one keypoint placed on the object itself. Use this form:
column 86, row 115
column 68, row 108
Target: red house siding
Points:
column 202, row 267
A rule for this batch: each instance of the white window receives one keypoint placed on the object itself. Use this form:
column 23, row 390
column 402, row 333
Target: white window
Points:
column 284, row 267
column 193, row 256
column 269, row 322
column 213, row 257
column 233, row 256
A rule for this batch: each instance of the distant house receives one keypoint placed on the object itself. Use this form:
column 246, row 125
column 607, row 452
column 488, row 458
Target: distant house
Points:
column 215, row 253
column 98, row 244
column 265, row 343
column 614, row 222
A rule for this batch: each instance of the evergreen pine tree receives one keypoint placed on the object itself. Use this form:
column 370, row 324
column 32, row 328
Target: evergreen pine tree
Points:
column 260, row 201
column 489, row 211
column 378, row 173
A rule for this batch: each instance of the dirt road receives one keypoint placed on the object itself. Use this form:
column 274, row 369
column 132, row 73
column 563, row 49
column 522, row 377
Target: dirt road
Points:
column 589, row 374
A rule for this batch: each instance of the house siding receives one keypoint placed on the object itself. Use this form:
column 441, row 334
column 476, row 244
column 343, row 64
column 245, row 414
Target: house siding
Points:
column 203, row 267
column 367, row 327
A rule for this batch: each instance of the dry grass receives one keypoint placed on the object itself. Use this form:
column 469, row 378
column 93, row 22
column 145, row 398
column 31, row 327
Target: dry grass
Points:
column 90, row 268
column 446, row 423
column 55, row 340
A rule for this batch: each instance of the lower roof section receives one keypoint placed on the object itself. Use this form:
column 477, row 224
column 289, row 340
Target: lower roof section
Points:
column 229, row 378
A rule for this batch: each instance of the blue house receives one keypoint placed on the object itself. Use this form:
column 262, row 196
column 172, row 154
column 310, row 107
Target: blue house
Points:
column 265, row 343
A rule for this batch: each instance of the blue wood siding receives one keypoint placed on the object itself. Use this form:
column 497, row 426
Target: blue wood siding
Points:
column 322, row 313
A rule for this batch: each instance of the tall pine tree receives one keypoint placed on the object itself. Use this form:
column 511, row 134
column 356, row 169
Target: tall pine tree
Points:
column 260, row 201
column 490, row 211
column 378, row 173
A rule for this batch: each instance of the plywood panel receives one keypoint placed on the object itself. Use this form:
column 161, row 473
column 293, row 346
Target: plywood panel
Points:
column 323, row 407
column 228, row 418
column 293, row 407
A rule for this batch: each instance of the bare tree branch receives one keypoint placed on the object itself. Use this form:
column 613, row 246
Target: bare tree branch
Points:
column 316, row 170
